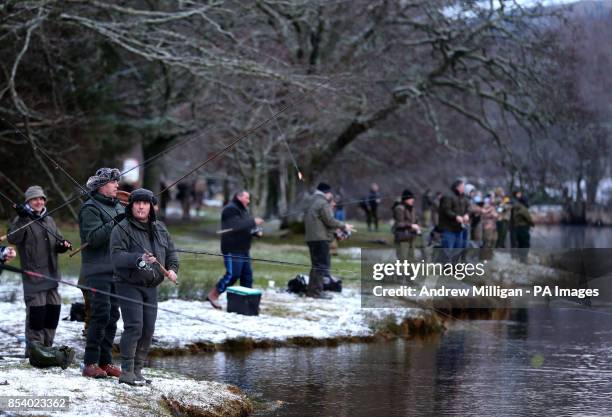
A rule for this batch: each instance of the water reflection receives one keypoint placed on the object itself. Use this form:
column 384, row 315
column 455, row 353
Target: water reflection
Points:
column 571, row 237
column 491, row 368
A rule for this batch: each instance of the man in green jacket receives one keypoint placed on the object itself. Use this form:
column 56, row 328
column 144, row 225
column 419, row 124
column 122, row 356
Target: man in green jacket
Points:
column 38, row 245
column 97, row 217
column 522, row 223
column 141, row 248
column 320, row 226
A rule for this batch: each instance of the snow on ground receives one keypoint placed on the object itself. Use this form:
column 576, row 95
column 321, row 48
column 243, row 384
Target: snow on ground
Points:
column 106, row 397
column 180, row 323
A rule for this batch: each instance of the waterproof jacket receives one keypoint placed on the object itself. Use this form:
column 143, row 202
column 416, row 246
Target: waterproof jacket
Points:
column 319, row 220
column 235, row 216
column 521, row 216
column 127, row 241
column 37, row 249
column 452, row 206
column 404, row 217
column 95, row 226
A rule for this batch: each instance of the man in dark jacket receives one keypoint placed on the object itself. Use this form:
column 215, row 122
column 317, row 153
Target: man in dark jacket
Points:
column 239, row 227
column 453, row 218
column 320, row 226
column 142, row 253
column 370, row 206
column 97, row 217
column 38, row 245
column 406, row 226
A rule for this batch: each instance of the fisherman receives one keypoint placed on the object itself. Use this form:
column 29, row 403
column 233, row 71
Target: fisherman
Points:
column 320, row 228
column 406, row 227
column 141, row 250
column 97, row 217
column 239, row 227
column 454, row 219
column 38, row 245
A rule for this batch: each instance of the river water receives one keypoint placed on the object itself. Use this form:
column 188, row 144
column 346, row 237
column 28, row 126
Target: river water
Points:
column 538, row 362
column 553, row 362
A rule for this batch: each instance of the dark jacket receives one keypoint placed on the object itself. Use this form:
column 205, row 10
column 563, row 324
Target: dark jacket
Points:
column 125, row 252
column 235, row 216
column 319, row 220
column 95, row 226
column 404, row 217
column 452, row 206
column 521, row 216
column 37, row 249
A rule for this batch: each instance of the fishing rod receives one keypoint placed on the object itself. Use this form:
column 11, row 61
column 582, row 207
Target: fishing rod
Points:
column 235, row 141
column 350, row 202
column 117, row 296
column 272, row 261
column 284, row 139
column 96, row 203
column 244, row 135
column 40, row 223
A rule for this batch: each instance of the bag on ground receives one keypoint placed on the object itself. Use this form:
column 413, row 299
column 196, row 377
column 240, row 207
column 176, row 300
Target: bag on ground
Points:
column 46, row 356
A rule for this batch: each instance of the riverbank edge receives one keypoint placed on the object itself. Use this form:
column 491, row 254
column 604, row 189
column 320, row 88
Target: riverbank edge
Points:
column 386, row 329
column 169, row 394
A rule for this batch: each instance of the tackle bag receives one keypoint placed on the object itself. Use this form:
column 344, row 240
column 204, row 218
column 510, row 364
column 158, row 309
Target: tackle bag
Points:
column 46, row 356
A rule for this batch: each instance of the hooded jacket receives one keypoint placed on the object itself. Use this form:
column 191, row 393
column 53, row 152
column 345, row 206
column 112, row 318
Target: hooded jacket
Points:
column 127, row 241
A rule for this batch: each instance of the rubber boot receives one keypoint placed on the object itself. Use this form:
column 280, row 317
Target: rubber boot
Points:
column 127, row 373
column 213, row 298
column 138, row 365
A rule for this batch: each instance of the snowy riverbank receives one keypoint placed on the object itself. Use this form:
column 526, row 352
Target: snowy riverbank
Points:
column 167, row 395
column 190, row 326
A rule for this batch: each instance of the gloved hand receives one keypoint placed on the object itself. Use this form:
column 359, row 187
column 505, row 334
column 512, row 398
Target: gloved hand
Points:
column 119, row 217
column 22, row 211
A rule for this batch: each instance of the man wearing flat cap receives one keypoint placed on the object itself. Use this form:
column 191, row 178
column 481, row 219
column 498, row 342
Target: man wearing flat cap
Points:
column 320, row 227
column 141, row 249
column 38, row 245
column 97, row 217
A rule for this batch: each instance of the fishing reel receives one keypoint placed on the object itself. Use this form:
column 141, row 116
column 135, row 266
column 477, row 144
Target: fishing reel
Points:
column 342, row 234
column 257, row 231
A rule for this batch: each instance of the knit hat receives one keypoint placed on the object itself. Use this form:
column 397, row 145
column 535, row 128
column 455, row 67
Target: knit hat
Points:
column 102, row 177
column 34, row 192
column 323, row 187
column 142, row 194
column 406, row 194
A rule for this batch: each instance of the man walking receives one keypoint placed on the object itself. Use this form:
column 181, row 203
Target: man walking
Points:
column 38, row 245
column 320, row 227
column 239, row 228
column 141, row 250
column 97, row 217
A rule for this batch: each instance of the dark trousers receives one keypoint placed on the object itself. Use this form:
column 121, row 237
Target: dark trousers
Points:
column 138, row 321
column 42, row 316
column 103, row 321
column 502, row 231
column 372, row 218
column 237, row 266
column 320, row 260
